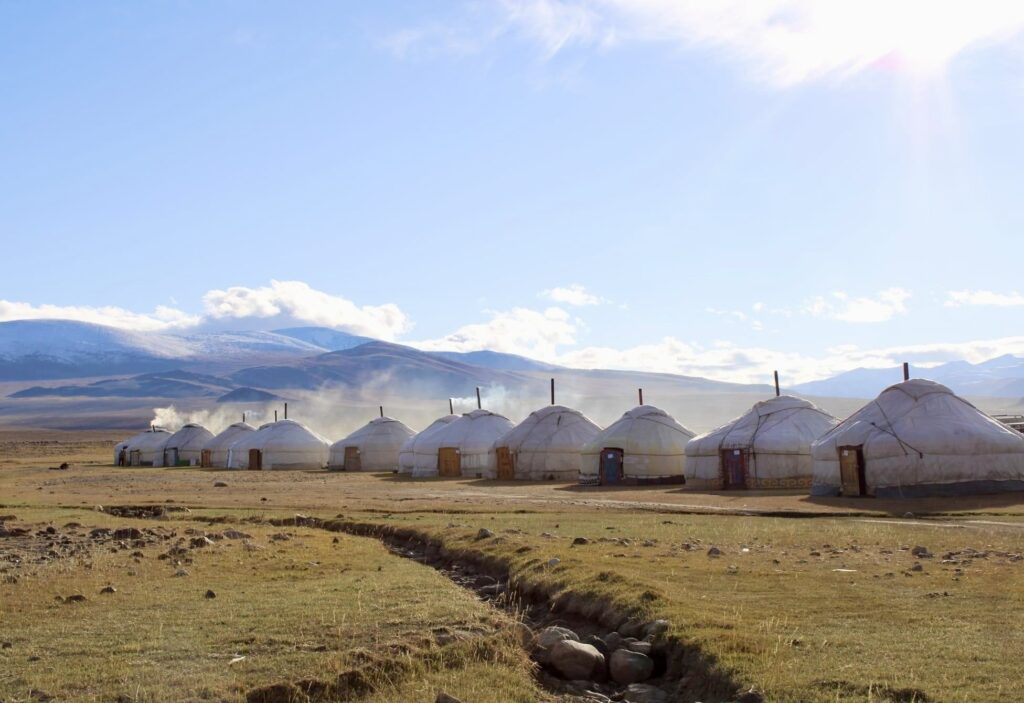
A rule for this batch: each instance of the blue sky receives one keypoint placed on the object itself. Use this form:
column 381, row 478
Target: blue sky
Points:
column 699, row 187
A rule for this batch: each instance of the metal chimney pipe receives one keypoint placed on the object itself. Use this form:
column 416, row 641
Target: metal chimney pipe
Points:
column 479, row 406
column 382, row 411
column 777, row 393
column 552, row 391
column 275, row 416
column 451, row 407
column 286, row 411
column 641, row 391
column 906, row 371
column 243, row 417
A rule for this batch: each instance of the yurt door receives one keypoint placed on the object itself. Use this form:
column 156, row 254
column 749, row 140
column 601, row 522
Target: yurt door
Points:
column 449, row 462
column 734, row 469
column 611, row 466
column 506, row 464
column 851, row 471
column 135, row 458
column 170, row 457
column 206, row 458
column 352, row 460
column 255, row 460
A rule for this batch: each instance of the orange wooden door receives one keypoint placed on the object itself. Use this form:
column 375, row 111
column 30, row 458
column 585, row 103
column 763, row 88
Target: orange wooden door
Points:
column 353, row 462
column 506, row 464
column 449, row 462
column 851, row 471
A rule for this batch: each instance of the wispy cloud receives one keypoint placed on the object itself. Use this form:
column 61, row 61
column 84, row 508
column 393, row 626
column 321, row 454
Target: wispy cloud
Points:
column 162, row 318
column 575, row 295
column 957, row 298
column 781, row 42
column 840, row 306
column 535, row 333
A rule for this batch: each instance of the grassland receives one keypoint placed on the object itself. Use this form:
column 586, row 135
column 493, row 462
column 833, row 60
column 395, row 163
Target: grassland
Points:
column 808, row 601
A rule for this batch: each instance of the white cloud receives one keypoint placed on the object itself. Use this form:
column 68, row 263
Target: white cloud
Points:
column 162, row 318
column 956, row 298
column 288, row 302
column 840, row 306
column 533, row 333
column 575, row 295
column 782, row 42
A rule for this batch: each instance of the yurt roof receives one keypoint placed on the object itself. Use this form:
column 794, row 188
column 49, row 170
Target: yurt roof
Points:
column 382, row 430
column 421, row 441
column 643, row 430
column 552, row 427
column 785, row 424
column 229, row 435
column 188, row 436
column 925, row 417
column 473, row 432
column 150, row 438
column 285, row 434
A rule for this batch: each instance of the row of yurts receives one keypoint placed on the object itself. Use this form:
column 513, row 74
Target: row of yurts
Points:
column 917, row 438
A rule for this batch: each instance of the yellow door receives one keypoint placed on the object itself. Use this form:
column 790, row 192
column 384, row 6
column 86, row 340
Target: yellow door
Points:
column 851, row 471
column 448, row 462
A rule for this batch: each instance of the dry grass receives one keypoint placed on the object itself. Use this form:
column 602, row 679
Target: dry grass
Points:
column 850, row 623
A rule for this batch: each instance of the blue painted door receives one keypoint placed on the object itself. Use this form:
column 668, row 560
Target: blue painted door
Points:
column 611, row 466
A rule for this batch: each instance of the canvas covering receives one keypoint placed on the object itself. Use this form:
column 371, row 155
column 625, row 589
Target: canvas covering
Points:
column 418, row 455
column 220, row 445
column 919, row 438
column 546, row 445
column 653, row 445
column 286, row 444
column 776, row 436
column 189, row 442
column 149, row 445
column 379, row 443
column 473, row 435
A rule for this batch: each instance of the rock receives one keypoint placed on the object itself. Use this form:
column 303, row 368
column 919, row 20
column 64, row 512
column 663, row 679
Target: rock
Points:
column 5, row 645
column 181, row 572
column 714, row 552
column 576, row 660
column 200, row 542
column 640, row 646
column 220, row 484
column 631, row 628
column 98, row 532
column 630, row 667
column 656, row 628
column 108, row 589
column 279, row 537
column 580, row 541
column 443, row 697
column 552, row 563
column 598, row 644
column 917, row 567
column 484, row 533
column 210, row 594
column 613, row 640
column 127, row 533
column 548, row 638
column 235, row 534
column 77, row 598
column 751, row 696
column 908, row 515
column 921, row 552
column 523, row 635
column 644, row 693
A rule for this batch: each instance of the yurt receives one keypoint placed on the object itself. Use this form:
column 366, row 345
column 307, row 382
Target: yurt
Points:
column 144, row 449
column 545, row 446
column 466, row 447
column 285, row 444
column 418, row 456
column 768, row 447
column 646, row 445
column 373, row 447
column 185, row 447
column 217, row 451
column 918, row 439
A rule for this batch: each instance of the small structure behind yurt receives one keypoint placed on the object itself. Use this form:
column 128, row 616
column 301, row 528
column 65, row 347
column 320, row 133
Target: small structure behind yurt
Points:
column 217, row 451
column 144, row 449
column 646, row 445
column 768, row 447
column 918, row 438
column 373, row 447
column 418, row 456
column 185, row 447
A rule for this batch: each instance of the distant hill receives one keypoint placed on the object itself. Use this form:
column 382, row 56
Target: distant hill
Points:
column 496, row 360
column 172, row 384
column 248, row 395
column 324, row 338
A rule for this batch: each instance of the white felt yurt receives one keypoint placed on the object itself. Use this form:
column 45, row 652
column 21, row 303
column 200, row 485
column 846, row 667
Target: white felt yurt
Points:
column 217, row 451
column 144, row 449
column 646, row 445
column 418, row 455
column 373, row 447
column 466, row 447
column 285, row 444
column 545, row 446
column 918, row 439
column 766, row 448
column 185, row 447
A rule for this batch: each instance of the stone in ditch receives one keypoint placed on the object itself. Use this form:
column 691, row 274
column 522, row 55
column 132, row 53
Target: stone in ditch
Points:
column 613, row 640
column 640, row 646
column 656, row 628
column 575, row 660
column 644, row 693
column 548, row 638
column 751, row 696
column 598, row 644
column 631, row 628
column 443, row 697
column 630, row 667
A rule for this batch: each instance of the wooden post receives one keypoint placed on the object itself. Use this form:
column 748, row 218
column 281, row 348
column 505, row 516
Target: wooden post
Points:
column 479, row 406
column 552, row 391
column 906, row 371
column 641, row 390
column 777, row 393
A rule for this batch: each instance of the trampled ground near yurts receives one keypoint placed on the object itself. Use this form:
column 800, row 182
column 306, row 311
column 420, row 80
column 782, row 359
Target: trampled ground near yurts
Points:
column 806, row 600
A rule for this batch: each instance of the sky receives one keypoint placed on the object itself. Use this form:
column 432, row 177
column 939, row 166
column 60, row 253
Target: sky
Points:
column 709, row 187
